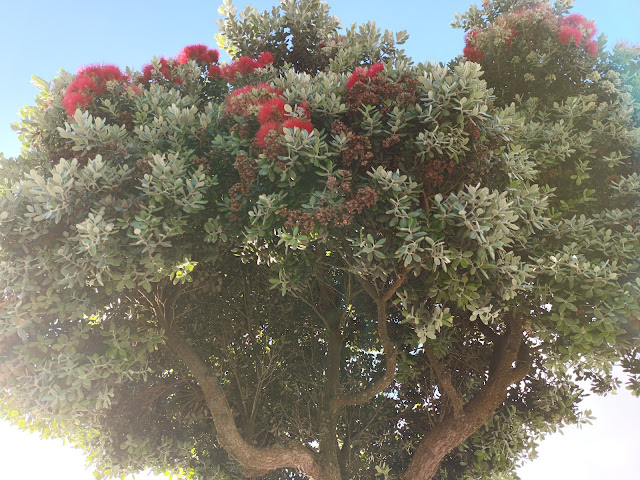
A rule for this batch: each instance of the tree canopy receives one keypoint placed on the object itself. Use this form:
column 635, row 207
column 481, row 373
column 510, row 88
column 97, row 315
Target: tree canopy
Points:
column 323, row 260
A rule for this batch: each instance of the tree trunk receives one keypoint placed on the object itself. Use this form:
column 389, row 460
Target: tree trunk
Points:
column 330, row 472
column 510, row 364
column 440, row 441
column 328, row 434
column 254, row 460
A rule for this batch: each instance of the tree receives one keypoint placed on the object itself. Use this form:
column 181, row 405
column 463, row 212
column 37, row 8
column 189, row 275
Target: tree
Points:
column 321, row 260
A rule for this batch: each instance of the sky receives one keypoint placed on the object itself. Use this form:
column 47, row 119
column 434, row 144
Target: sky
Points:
column 41, row 37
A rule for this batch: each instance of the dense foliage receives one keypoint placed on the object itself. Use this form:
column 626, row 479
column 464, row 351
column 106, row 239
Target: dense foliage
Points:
column 321, row 260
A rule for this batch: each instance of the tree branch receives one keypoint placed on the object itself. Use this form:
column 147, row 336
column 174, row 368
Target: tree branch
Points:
column 401, row 277
column 378, row 386
column 452, row 431
column 357, row 398
column 369, row 288
column 487, row 331
column 444, row 381
column 256, row 461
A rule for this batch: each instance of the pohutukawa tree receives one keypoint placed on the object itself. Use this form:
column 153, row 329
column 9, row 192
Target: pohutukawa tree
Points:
column 321, row 260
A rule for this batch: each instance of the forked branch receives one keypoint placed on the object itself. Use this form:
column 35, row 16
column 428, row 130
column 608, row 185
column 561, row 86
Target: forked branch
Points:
column 510, row 364
column 256, row 461
column 444, row 381
column 378, row 386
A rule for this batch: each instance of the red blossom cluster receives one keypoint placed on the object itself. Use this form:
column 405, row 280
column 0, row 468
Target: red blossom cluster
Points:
column 266, row 131
column 249, row 100
column 242, row 66
column 574, row 29
column 361, row 74
column 200, row 53
column 273, row 110
column 91, row 82
column 268, row 106
column 471, row 51
column 273, row 128
column 166, row 70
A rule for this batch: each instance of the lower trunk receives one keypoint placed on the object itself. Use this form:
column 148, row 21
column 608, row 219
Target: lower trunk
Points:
column 330, row 472
column 437, row 444
column 329, row 451
column 450, row 433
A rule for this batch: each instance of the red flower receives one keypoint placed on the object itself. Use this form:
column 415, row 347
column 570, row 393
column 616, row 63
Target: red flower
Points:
column 200, row 53
column 165, row 67
column 215, row 71
column 573, row 19
column 249, row 88
column 265, row 58
column 104, row 73
column 591, row 48
column 72, row 101
column 471, row 51
column 83, row 85
column 214, row 56
column 90, row 82
column 300, row 123
column 570, row 34
column 471, row 35
column 580, row 23
column 358, row 75
column 242, row 65
column 374, row 69
column 272, row 110
column 228, row 71
column 258, row 89
column 191, row 52
column 245, row 65
column 266, row 129
column 473, row 54
column 147, row 70
column 249, row 99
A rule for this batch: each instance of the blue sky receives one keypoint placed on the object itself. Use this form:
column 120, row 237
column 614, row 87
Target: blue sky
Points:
column 40, row 37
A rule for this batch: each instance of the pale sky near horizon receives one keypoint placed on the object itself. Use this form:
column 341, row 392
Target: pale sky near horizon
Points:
column 40, row 37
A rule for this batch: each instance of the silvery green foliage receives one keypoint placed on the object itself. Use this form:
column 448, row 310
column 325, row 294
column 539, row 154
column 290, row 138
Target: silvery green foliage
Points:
column 100, row 228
